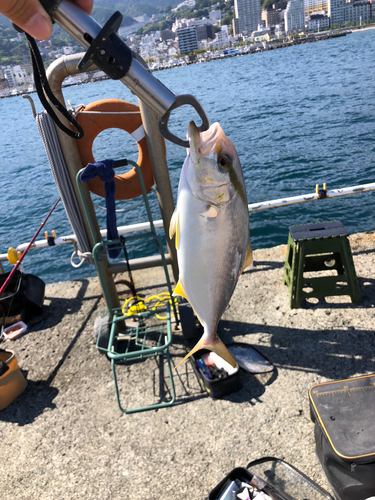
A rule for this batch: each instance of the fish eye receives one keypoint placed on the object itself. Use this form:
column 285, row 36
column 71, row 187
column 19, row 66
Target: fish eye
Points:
column 224, row 163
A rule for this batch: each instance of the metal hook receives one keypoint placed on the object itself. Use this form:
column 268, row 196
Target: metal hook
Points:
column 31, row 104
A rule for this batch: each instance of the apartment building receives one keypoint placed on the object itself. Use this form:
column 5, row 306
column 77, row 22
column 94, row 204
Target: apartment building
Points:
column 249, row 15
column 187, row 39
column 294, row 16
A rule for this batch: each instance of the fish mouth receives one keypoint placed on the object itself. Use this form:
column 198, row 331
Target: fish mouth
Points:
column 194, row 136
column 206, row 142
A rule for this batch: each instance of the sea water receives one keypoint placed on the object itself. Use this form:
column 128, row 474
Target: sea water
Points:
column 298, row 116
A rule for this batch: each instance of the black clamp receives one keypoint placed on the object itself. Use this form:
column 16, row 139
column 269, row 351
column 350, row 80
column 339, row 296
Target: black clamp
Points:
column 108, row 51
column 50, row 239
column 322, row 193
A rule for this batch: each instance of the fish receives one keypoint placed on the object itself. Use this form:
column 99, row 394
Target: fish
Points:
column 212, row 233
column 250, row 359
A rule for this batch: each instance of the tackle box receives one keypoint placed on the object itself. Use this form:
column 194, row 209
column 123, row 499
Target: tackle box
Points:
column 343, row 413
column 216, row 387
column 273, row 477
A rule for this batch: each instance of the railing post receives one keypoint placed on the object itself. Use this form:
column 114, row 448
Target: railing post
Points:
column 156, row 147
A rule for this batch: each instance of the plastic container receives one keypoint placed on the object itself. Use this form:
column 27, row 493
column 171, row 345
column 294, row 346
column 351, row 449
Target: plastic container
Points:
column 12, row 382
column 14, row 331
column 216, row 387
column 343, row 413
column 276, row 478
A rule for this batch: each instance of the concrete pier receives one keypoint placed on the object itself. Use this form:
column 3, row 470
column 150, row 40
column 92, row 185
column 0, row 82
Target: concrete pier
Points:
column 65, row 438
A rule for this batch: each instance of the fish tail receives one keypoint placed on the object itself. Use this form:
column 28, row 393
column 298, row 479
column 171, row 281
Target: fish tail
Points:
column 215, row 345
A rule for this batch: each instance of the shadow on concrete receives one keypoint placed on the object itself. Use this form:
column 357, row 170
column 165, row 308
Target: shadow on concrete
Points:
column 59, row 308
column 332, row 353
column 35, row 399
column 264, row 265
column 39, row 394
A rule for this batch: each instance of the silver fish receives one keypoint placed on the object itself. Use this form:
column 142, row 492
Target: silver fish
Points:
column 211, row 224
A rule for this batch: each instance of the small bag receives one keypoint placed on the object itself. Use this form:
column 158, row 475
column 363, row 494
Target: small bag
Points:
column 343, row 413
column 275, row 478
column 12, row 382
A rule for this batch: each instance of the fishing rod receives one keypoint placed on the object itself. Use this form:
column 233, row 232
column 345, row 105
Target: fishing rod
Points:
column 109, row 52
column 2, row 289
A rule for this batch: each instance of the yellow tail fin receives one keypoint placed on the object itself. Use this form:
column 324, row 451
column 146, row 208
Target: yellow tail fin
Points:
column 215, row 346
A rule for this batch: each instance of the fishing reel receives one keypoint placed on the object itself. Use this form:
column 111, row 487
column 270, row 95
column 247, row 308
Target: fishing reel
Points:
column 110, row 53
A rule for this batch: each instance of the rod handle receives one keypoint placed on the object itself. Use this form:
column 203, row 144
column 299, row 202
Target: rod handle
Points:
column 50, row 6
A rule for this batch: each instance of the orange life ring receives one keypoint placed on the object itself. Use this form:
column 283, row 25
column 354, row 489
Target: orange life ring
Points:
column 101, row 115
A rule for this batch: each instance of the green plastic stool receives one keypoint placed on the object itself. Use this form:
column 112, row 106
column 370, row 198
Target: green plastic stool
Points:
column 313, row 248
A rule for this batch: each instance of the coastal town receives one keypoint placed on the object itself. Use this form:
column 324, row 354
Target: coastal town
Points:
column 232, row 28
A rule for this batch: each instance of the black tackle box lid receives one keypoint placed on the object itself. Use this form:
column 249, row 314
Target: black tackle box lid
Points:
column 345, row 410
column 283, row 481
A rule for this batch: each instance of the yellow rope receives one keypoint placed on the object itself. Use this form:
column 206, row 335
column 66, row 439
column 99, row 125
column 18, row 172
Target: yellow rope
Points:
column 141, row 306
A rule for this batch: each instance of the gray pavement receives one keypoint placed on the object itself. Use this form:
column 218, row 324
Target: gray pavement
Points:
column 65, row 438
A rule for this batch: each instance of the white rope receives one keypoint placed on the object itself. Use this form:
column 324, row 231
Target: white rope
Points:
column 64, row 185
column 83, row 257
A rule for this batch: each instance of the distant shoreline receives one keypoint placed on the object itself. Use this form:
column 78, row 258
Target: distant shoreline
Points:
column 315, row 37
column 371, row 27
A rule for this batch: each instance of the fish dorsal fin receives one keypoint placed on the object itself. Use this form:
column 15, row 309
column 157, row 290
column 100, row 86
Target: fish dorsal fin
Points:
column 249, row 258
column 210, row 212
column 174, row 227
column 179, row 290
column 216, row 345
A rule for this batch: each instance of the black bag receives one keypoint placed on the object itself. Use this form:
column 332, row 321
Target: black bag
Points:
column 344, row 416
column 23, row 296
column 278, row 479
column 12, row 300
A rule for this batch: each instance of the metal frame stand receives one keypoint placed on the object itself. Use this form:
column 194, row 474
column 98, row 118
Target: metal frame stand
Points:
column 151, row 337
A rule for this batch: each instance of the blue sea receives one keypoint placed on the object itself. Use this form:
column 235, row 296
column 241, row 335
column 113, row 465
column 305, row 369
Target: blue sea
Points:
column 298, row 116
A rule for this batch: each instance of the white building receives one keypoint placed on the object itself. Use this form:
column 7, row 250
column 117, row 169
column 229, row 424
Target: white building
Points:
column 294, row 16
column 222, row 37
column 249, row 15
column 261, row 32
column 10, row 77
column 20, row 75
column 67, row 50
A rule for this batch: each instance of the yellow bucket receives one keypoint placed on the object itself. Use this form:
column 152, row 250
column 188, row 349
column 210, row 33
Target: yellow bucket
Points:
column 12, row 382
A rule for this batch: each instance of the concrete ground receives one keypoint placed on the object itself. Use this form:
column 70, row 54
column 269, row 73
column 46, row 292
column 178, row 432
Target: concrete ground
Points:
column 65, row 438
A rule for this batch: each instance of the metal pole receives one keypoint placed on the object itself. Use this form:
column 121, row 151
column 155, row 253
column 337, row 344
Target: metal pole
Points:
column 156, row 147
column 56, row 73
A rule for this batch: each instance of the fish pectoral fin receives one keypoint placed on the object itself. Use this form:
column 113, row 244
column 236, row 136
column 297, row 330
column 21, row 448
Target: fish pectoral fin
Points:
column 180, row 290
column 249, row 258
column 216, row 346
column 173, row 227
column 211, row 212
